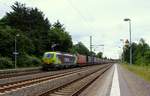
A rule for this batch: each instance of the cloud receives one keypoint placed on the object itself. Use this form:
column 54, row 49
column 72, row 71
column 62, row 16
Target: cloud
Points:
column 103, row 19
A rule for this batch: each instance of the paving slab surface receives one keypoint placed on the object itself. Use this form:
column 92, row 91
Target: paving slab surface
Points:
column 115, row 88
column 128, row 84
column 101, row 87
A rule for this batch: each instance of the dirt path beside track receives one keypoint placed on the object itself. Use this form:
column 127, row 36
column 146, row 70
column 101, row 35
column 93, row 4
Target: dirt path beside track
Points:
column 131, row 84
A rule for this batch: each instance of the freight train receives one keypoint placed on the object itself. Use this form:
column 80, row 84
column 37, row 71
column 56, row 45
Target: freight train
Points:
column 59, row 60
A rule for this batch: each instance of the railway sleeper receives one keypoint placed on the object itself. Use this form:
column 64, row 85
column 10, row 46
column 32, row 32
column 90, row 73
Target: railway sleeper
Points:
column 75, row 87
column 42, row 87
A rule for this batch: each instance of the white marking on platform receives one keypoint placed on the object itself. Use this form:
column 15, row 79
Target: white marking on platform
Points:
column 115, row 89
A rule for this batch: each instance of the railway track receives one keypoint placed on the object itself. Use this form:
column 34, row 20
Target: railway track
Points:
column 14, row 85
column 18, row 72
column 76, row 87
column 16, row 79
column 43, row 84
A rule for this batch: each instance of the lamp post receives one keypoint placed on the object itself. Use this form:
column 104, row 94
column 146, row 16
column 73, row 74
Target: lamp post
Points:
column 129, row 20
column 15, row 52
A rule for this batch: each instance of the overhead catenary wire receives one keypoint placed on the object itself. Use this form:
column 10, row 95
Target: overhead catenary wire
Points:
column 91, row 29
column 81, row 15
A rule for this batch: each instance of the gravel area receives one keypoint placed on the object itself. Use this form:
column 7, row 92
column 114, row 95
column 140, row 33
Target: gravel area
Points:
column 50, row 84
column 131, row 84
column 101, row 86
column 7, row 71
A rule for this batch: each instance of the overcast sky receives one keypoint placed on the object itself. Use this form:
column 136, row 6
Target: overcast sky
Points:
column 102, row 19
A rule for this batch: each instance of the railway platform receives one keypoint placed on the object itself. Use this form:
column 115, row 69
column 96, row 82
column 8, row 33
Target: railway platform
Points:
column 118, row 81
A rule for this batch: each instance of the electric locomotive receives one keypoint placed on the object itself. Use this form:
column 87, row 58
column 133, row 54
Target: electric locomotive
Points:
column 58, row 60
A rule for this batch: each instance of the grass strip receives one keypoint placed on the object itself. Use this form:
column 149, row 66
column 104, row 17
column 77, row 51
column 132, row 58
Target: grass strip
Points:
column 142, row 71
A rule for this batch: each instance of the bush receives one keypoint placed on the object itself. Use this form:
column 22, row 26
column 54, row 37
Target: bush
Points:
column 5, row 63
column 28, row 61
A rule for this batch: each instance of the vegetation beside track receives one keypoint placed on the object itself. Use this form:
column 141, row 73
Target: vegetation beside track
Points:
column 33, row 34
column 140, row 53
column 140, row 58
column 140, row 70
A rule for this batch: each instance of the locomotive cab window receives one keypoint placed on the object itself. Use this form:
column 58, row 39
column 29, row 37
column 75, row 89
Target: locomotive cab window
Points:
column 49, row 55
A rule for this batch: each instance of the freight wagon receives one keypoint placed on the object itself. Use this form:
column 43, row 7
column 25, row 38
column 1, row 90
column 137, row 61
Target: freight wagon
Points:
column 58, row 60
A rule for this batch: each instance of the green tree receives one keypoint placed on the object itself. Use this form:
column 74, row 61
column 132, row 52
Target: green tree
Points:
column 7, row 42
column 36, row 36
column 81, row 49
column 58, row 35
column 99, row 55
column 32, row 23
column 142, row 49
column 147, row 57
column 140, row 53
